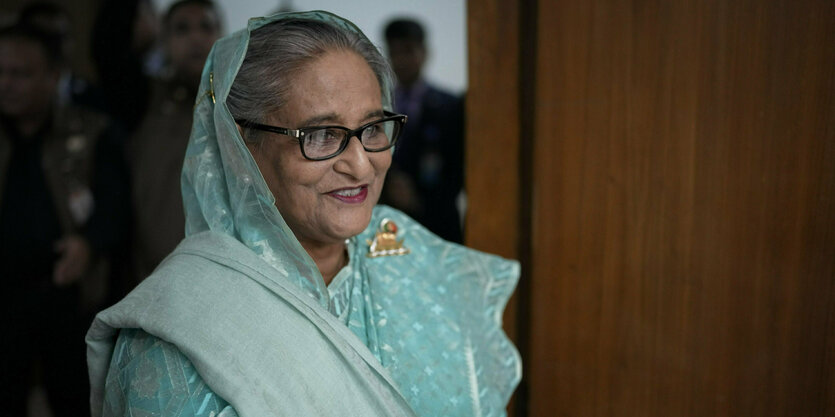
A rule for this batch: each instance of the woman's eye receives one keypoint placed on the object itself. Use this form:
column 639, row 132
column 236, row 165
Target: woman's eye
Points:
column 323, row 137
column 331, row 134
column 371, row 131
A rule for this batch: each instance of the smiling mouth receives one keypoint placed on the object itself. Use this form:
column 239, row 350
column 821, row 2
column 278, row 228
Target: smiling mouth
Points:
column 351, row 195
column 348, row 192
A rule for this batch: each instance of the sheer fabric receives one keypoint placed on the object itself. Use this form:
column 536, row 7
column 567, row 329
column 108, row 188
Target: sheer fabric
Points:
column 241, row 314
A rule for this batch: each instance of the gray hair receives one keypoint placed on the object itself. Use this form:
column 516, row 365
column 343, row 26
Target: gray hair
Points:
column 277, row 51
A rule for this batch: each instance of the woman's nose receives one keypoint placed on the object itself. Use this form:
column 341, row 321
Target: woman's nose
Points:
column 354, row 159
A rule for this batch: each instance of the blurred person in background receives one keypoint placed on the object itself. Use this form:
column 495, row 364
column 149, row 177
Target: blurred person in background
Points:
column 124, row 33
column 427, row 173
column 55, row 20
column 157, row 150
column 61, row 209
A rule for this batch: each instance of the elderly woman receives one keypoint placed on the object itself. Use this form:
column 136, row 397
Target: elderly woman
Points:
column 293, row 294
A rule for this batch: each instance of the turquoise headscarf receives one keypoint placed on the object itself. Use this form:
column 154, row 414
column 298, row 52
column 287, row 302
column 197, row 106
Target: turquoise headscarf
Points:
column 223, row 190
column 240, row 298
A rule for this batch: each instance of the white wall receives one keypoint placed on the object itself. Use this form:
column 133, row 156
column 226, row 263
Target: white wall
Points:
column 444, row 20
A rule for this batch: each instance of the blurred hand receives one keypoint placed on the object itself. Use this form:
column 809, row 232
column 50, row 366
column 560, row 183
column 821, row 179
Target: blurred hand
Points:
column 73, row 262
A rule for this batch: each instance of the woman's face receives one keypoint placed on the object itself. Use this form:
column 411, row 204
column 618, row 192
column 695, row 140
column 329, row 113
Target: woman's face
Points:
column 325, row 202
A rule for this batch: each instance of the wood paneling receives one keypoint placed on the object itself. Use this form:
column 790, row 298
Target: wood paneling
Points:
column 492, row 134
column 683, row 239
column 680, row 195
column 493, row 143
column 492, row 149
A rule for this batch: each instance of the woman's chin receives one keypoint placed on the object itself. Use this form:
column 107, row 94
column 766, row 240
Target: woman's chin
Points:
column 353, row 224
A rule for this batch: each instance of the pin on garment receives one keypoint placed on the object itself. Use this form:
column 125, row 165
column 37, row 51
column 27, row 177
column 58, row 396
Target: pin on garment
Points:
column 385, row 241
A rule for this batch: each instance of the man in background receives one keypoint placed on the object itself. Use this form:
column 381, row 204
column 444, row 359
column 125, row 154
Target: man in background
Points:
column 157, row 150
column 62, row 207
column 54, row 20
column 426, row 176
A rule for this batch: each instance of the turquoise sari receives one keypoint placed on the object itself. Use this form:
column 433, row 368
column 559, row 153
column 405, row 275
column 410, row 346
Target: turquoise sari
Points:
column 238, row 320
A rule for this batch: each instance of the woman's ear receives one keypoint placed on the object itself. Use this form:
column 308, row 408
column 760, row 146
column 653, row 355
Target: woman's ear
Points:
column 240, row 130
column 246, row 142
column 252, row 145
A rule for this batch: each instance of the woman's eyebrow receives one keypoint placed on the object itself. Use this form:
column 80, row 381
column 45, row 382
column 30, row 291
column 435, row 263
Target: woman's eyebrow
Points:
column 333, row 118
column 320, row 119
column 374, row 114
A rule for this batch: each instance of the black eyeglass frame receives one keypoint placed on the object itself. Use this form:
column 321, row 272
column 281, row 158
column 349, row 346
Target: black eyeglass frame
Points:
column 349, row 133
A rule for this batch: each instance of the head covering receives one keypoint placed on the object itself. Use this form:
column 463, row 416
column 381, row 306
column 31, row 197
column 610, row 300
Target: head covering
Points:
column 418, row 334
column 223, row 189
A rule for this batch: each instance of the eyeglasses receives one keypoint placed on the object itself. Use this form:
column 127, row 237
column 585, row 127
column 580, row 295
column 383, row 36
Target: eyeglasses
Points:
column 324, row 142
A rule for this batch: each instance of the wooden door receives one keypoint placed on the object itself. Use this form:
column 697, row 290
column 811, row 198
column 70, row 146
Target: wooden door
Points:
column 673, row 176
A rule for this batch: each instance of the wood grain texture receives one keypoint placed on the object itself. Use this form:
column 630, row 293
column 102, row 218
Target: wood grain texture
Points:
column 683, row 240
column 492, row 140
column 492, row 134
column 492, row 127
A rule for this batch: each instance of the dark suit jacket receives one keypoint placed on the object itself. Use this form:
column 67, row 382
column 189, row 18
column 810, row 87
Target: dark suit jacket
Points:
column 430, row 153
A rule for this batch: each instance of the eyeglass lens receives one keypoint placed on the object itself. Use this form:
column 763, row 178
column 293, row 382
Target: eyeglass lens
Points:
column 325, row 142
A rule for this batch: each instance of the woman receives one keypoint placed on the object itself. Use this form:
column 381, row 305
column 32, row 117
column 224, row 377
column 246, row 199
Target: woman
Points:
column 293, row 294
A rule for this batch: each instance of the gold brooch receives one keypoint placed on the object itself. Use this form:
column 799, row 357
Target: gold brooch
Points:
column 385, row 242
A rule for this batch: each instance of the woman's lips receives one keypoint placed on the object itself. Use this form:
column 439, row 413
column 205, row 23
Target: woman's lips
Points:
column 353, row 195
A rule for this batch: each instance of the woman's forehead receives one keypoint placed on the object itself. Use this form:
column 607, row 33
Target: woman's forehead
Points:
column 337, row 87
